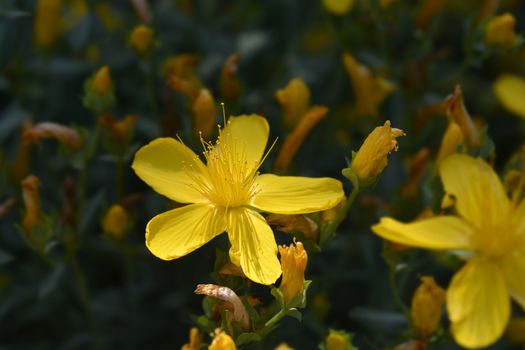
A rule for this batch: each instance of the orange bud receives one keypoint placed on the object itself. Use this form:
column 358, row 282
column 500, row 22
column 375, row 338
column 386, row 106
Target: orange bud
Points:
column 229, row 83
column 296, row 138
column 102, row 82
column 141, row 38
column 118, row 130
column 457, row 112
column 31, row 197
column 427, row 305
column 205, row 113
column 222, row 341
column 293, row 264
column 67, row 136
column 116, row 222
column 427, row 13
column 47, row 22
column 294, row 100
column 338, row 340
column 20, row 166
column 195, row 340
column 185, row 87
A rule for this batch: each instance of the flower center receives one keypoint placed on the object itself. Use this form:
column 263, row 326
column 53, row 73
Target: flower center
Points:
column 496, row 241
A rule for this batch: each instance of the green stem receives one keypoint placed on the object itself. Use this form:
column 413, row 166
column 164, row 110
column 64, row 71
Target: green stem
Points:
column 395, row 293
column 341, row 215
column 276, row 318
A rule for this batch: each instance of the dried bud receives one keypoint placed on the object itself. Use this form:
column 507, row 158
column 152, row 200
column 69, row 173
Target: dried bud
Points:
column 293, row 264
column 240, row 315
column 294, row 100
column 102, row 82
column 205, row 113
column 142, row 10
column 118, row 130
column 195, row 340
column 222, row 341
column 500, row 30
column 229, row 82
column 116, row 222
column 456, row 111
column 230, row 268
column 452, row 138
column 182, row 66
column 20, row 166
column 412, row 345
column 295, row 223
column 31, row 197
column 47, row 22
column 296, row 138
column 338, row 340
column 185, row 87
column 369, row 90
column 372, row 157
column 66, row 136
column 427, row 305
column 141, row 38
column 338, row 7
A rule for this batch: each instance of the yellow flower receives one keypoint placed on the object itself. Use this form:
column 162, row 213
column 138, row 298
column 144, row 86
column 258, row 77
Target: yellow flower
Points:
column 294, row 100
column 509, row 90
column 500, row 30
column 369, row 90
column 372, row 157
column 427, row 304
column 489, row 232
column 31, row 197
column 337, row 340
column 115, row 222
column 338, row 7
column 293, row 263
column 283, row 346
column 225, row 194
column 141, row 38
column 222, row 341
column 452, row 138
column 195, row 340
column 47, row 22
column 102, row 82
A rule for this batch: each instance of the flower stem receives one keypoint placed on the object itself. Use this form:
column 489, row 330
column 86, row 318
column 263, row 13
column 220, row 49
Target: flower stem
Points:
column 395, row 293
column 276, row 318
column 341, row 215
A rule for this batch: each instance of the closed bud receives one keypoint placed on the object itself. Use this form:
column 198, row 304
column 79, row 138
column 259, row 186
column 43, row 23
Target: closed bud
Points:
column 229, row 82
column 195, row 340
column 115, row 222
column 452, row 138
column 457, row 112
column 141, row 38
column 500, row 30
column 296, row 138
column 294, row 100
column 427, row 305
column 66, row 136
column 369, row 90
column 338, row 7
column 99, row 94
column 31, row 198
column 293, row 264
column 102, row 83
column 338, row 340
column 47, row 22
column 372, row 157
column 205, row 113
column 222, row 341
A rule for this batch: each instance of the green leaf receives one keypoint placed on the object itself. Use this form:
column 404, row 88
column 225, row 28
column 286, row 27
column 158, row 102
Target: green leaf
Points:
column 246, row 338
column 295, row 314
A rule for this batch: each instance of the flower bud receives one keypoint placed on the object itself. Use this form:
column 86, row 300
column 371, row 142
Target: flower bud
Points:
column 293, row 264
column 99, row 94
column 195, row 340
column 369, row 90
column 338, row 340
column 427, row 305
column 68, row 137
column 229, row 82
column 205, row 113
column 372, row 157
column 47, row 22
column 294, row 100
column 296, row 138
column 141, row 38
column 338, row 7
column 452, row 138
column 31, row 198
column 102, row 82
column 283, row 346
column 457, row 112
column 115, row 222
column 222, row 341
column 500, row 30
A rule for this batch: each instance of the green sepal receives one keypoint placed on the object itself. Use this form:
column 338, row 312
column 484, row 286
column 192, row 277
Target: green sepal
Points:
column 95, row 102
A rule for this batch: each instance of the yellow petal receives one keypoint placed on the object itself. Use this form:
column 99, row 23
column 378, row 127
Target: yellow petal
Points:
column 178, row 232
column 478, row 304
column 510, row 90
column 514, row 269
column 253, row 246
column 480, row 197
column 172, row 169
column 244, row 137
column 519, row 218
column 442, row 232
column 296, row 194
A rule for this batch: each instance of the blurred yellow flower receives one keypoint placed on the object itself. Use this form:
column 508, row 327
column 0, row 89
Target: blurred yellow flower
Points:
column 509, row 90
column 500, row 30
column 47, row 22
column 283, row 346
column 31, row 197
column 293, row 264
column 452, row 138
column 205, row 113
column 222, row 341
column 489, row 233
column 102, row 83
column 372, row 157
column 224, row 194
column 195, row 340
column 141, row 38
column 427, row 305
column 338, row 7
column 116, row 221
column 369, row 90
column 294, row 100
column 337, row 340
